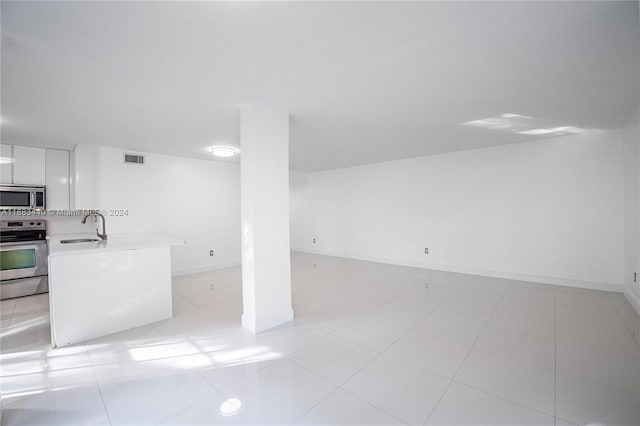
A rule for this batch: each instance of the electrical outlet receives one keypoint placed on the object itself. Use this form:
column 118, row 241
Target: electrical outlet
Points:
column 426, row 286
column 635, row 277
column 426, row 250
column 213, row 287
column 314, row 241
column 210, row 252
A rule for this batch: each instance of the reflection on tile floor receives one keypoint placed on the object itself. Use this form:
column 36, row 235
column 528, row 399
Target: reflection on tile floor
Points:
column 371, row 344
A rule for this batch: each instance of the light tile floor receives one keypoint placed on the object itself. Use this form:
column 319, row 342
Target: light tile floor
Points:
column 371, row 344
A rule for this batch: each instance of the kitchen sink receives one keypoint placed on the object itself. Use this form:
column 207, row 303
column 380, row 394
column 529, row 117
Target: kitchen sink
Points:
column 79, row 240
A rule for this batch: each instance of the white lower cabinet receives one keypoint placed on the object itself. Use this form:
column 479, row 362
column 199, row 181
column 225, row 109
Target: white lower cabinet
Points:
column 92, row 295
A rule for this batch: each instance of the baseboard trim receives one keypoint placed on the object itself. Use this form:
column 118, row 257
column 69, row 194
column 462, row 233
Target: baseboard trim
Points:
column 566, row 282
column 257, row 326
column 204, row 268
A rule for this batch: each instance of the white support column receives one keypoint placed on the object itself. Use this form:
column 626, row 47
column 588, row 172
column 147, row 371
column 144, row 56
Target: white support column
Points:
column 266, row 262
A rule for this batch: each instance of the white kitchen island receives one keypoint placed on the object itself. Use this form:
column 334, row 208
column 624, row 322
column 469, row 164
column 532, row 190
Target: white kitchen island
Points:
column 102, row 287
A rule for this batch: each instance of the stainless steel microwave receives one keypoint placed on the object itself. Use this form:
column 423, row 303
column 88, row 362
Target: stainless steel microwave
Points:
column 22, row 197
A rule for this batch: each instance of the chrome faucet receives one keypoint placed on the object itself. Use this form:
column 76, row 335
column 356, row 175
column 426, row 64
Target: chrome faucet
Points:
column 96, row 214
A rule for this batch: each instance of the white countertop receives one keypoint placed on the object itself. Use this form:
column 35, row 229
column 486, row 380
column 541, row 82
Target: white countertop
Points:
column 115, row 242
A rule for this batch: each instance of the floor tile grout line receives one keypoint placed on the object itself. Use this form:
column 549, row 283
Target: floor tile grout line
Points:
column 620, row 331
column 371, row 405
column 474, row 345
column 521, row 333
column 152, row 376
column 484, row 327
column 320, row 401
column 428, row 314
column 363, row 367
column 511, row 310
column 400, row 361
column 520, row 404
column 575, row 345
column 378, row 355
column 435, row 407
column 633, row 335
column 604, row 385
column 555, row 420
column 125, row 380
column 198, row 401
column 50, row 371
column 424, row 370
column 515, row 360
column 104, row 405
column 225, row 392
column 365, row 401
column 405, row 332
column 361, row 346
column 327, row 381
column 409, row 364
column 284, row 357
column 339, row 387
column 96, row 384
column 601, row 330
column 214, row 388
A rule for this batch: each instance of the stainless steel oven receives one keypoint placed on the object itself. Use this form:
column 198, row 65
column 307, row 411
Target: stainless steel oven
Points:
column 23, row 258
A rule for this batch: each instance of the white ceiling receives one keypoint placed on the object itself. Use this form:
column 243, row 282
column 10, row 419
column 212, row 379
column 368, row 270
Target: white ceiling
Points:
column 364, row 82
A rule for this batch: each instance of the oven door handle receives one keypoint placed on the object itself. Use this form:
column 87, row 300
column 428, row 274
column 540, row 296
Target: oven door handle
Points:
column 21, row 243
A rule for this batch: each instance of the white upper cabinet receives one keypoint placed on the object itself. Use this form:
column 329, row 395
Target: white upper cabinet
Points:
column 28, row 165
column 24, row 165
column 71, row 177
column 6, row 166
column 85, row 165
column 57, row 179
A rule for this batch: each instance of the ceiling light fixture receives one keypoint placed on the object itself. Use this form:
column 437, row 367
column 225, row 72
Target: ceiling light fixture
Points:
column 571, row 129
column 491, row 123
column 512, row 115
column 537, row 132
column 230, row 407
column 224, row 151
column 559, row 131
column 525, row 125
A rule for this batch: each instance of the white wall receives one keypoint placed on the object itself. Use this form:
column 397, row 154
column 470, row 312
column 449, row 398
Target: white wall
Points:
column 195, row 200
column 631, row 141
column 548, row 211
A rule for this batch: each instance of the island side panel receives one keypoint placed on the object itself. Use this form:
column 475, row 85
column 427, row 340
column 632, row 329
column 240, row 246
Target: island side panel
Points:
column 92, row 295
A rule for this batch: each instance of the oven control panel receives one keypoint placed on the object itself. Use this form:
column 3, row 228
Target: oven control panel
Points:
column 23, row 224
column 12, row 231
